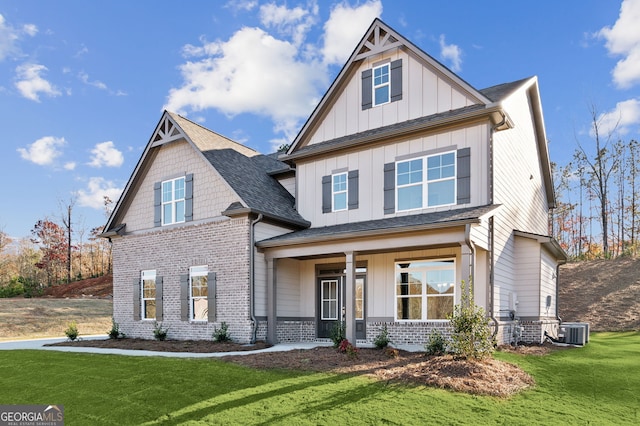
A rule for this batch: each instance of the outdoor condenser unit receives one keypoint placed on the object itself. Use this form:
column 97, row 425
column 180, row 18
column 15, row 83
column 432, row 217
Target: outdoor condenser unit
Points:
column 575, row 333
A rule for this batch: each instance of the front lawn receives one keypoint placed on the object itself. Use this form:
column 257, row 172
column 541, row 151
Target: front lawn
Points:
column 597, row 384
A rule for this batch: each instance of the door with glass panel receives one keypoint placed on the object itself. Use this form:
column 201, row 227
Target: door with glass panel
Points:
column 331, row 305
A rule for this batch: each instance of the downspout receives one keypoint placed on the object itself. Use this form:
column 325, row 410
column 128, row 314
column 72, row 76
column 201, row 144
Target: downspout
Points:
column 491, row 230
column 252, row 277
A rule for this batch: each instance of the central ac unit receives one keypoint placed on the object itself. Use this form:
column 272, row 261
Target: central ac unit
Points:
column 575, row 334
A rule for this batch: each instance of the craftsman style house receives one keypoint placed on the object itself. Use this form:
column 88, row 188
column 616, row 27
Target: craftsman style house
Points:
column 404, row 182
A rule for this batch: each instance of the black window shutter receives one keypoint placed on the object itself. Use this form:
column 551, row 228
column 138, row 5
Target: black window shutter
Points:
column 389, row 188
column 159, row 312
column 136, row 299
column 367, row 89
column 352, row 190
column 157, row 204
column 396, row 80
column 211, row 296
column 184, row 297
column 188, row 198
column 326, row 194
column 464, row 175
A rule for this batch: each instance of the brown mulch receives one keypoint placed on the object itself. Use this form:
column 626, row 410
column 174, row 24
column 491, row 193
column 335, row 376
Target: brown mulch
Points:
column 485, row 377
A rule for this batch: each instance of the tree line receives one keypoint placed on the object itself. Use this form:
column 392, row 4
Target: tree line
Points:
column 57, row 252
column 597, row 214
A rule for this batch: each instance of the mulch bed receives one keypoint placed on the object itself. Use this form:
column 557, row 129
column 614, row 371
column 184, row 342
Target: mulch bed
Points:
column 480, row 377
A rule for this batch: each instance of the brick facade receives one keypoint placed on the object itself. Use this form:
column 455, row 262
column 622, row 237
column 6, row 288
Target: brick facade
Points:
column 221, row 245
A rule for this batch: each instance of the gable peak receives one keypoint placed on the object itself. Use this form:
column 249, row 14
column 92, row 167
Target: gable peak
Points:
column 378, row 39
column 166, row 131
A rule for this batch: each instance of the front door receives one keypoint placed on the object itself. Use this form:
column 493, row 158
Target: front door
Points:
column 331, row 305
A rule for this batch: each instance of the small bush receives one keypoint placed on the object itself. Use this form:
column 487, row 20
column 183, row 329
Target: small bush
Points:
column 115, row 333
column 221, row 334
column 392, row 353
column 158, row 332
column 72, row 331
column 471, row 335
column 346, row 347
column 436, row 344
column 382, row 340
column 338, row 333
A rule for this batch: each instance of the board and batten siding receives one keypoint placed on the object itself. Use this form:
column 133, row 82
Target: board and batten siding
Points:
column 370, row 161
column 548, row 284
column 519, row 188
column 211, row 195
column 424, row 92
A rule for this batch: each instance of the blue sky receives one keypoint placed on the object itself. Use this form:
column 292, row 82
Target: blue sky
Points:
column 83, row 83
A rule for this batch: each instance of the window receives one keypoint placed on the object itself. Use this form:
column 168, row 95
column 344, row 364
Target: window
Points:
column 173, row 201
column 148, row 296
column 381, row 85
column 198, row 293
column 425, row 289
column 339, row 191
column 439, row 187
column 329, row 297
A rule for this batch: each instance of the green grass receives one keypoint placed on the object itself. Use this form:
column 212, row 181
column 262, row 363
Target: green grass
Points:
column 598, row 384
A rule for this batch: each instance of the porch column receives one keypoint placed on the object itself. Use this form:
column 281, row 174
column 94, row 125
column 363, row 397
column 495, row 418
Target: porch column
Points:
column 272, row 309
column 350, row 297
column 467, row 267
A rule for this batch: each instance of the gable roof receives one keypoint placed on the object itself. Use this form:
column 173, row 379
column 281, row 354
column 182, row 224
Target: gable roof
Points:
column 244, row 170
column 379, row 38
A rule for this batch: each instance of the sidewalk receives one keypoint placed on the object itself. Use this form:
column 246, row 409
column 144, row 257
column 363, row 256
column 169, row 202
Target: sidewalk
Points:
column 39, row 344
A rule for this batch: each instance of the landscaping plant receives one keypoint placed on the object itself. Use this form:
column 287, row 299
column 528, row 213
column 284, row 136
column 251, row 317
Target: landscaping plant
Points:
column 471, row 335
column 338, row 333
column 382, row 340
column 158, row 332
column 221, row 334
column 72, row 331
column 437, row 344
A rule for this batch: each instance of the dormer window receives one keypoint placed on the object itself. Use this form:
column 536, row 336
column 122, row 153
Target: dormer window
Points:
column 381, row 85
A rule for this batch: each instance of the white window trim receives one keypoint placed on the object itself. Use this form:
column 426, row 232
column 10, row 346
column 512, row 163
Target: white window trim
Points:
column 345, row 192
column 424, row 294
column 174, row 201
column 374, row 86
column 425, row 181
column 335, row 300
column 147, row 274
column 197, row 271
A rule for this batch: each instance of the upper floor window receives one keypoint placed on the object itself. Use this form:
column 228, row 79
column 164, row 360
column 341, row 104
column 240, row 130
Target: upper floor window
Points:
column 437, row 186
column 339, row 191
column 381, row 85
column 425, row 289
column 148, row 296
column 173, row 201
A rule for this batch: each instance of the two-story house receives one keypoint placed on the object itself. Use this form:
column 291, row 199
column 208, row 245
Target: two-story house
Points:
column 404, row 182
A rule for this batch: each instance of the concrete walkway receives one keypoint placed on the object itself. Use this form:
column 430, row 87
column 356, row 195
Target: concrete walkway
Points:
column 39, row 344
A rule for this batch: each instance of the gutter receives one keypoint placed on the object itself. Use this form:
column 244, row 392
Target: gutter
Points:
column 252, row 278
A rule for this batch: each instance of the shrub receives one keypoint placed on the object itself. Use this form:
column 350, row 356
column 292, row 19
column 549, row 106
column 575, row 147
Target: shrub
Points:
column 436, row 343
column 338, row 333
column 471, row 335
column 221, row 334
column 115, row 333
column 158, row 332
column 346, row 347
column 72, row 331
column 382, row 340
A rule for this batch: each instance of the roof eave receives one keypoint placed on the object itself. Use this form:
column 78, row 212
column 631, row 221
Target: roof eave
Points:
column 236, row 212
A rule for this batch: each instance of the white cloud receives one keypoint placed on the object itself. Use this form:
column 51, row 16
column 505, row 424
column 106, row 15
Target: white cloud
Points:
column 252, row 72
column 294, row 23
column 106, row 154
column 245, row 5
column 71, row 165
column 44, row 151
column 31, row 84
column 451, row 53
column 625, row 115
column 345, row 27
column 97, row 189
column 84, row 77
column 9, row 37
column 623, row 39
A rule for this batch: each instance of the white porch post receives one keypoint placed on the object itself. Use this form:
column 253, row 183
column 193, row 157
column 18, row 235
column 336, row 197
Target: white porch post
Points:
column 272, row 308
column 468, row 266
column 350, row 299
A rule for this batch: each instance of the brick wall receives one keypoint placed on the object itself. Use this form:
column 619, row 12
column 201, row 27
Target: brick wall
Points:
column 221, row 245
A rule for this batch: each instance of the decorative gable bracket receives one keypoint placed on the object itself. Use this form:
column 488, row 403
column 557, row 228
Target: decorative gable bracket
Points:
column 166, row 132
column 378, row 41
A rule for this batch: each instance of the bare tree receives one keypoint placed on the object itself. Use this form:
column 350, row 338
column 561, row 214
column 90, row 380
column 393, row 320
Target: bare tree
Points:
column 66, row 221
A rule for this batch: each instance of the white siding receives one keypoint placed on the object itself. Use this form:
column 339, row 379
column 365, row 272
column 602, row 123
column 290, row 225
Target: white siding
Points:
column 527, row 282
column 547, row 284
column 424, row 92
column 370, row 162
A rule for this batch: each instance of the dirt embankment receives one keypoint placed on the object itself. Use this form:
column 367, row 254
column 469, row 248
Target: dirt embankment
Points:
column 100, row 287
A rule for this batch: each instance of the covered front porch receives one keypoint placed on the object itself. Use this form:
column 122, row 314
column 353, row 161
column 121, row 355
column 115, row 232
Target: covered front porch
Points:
column 405, row 278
